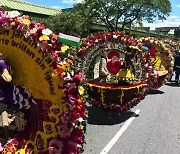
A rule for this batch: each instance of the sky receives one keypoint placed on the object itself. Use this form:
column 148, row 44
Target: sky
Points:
column 172, row 21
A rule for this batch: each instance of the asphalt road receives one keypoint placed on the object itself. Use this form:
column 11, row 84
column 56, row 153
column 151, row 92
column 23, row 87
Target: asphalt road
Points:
column 155, row 130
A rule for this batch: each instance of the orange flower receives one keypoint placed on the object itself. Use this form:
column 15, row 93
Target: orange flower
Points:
column 66, row 66
column 60, row 69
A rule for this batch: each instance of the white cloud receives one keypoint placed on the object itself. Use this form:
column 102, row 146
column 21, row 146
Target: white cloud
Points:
column 72, row 1
column 172, row 21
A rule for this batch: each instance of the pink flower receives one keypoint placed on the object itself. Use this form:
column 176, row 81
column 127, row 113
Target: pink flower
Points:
column 1, row 148
column 78, row 78
column 41, row 26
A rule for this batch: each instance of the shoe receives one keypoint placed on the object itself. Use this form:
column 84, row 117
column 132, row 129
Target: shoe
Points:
column 176, row 82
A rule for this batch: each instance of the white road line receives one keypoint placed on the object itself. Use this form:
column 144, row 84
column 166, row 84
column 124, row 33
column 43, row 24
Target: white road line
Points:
column 119, row 133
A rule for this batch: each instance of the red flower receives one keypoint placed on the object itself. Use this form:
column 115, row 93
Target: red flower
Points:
column 41, row 26
column 78, row 78
column 152, row 51
column 112, row 54
column 114, row 67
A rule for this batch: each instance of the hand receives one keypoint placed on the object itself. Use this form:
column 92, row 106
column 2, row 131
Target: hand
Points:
column 6, row 76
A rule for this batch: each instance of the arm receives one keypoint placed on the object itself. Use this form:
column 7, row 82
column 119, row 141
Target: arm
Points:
column 103, row 67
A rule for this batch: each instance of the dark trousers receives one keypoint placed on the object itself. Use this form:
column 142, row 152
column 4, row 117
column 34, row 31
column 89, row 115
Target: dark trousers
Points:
column 177, row 72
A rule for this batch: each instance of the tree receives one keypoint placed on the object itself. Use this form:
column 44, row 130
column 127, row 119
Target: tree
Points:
column 177, row 33
column 115, row 14
column 6, row 8
column 70, row 23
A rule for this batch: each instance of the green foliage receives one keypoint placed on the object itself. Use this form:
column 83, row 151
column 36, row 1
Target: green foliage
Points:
column 6, row 8
column 91, row 68
column 118, row 13
column 69, row 23
column 177, row 33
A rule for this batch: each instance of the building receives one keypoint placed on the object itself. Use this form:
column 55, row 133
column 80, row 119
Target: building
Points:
column 166, row 30
column 37, row 12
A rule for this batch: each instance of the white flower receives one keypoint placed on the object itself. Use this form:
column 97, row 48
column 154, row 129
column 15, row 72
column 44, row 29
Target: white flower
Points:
column 80, row 119
column 13, row 14
column 46, row 31
column 115, row 36
column 34, row 30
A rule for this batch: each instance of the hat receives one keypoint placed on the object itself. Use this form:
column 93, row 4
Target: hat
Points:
column 145, row 49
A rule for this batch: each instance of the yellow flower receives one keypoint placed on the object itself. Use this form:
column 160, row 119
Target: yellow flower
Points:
column 44, row 38
column 12, row 24
column 66, row 66
column 147, row 75
column 26, row 22
column 63, row 74
column 81, row 90
column 64, row 48
column 81, row 127
column 21, row 151
column 125, row 73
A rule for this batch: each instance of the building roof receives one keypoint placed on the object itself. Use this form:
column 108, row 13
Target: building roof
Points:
column 165, row 29
column 29, row 7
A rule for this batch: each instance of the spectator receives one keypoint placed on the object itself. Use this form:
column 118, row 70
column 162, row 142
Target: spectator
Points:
column 177, row 67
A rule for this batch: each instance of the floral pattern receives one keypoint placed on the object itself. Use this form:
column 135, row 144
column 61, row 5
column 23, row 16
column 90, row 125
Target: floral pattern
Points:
column 161, row 61
column 124, row 57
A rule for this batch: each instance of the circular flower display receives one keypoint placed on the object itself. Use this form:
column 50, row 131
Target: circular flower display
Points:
column 161, row 60
column 113, row 65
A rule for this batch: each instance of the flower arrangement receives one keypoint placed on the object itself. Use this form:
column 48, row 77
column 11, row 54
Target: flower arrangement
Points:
column 123, row 58
column 161, row 59
column 59, row 127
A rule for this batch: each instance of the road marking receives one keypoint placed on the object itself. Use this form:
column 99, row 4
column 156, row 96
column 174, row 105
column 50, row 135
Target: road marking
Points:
column 119, row 133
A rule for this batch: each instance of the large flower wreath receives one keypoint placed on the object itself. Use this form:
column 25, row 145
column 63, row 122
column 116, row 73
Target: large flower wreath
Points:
column 161, row 59
column 127, row 79
column 54, row 126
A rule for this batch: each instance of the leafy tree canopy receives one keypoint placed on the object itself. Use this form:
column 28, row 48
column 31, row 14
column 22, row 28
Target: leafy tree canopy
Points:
column 67, row 22
column 115, row 14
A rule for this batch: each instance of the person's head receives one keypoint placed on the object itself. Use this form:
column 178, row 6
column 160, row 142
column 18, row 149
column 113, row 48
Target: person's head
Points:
column 102, row 54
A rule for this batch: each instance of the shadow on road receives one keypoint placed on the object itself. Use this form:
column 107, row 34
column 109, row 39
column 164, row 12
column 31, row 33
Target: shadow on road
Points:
column 172, row 84
column 154, row 92
column 98, row 116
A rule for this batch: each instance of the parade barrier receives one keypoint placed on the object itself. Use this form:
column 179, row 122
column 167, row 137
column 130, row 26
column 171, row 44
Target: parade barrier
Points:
column 42, row 107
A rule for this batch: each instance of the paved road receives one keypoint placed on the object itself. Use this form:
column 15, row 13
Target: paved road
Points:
column 156, row 130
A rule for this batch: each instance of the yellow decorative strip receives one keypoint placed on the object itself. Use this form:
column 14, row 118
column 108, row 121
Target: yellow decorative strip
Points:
column 123, row 88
